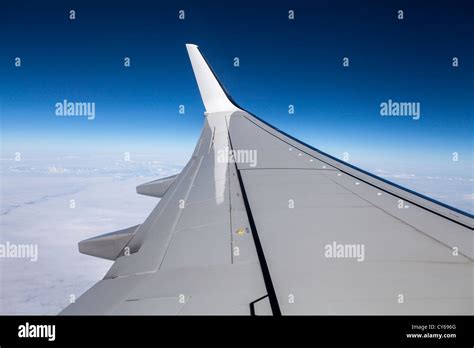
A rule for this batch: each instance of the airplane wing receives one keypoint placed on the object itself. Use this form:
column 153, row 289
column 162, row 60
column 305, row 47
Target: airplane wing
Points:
column 259, row 223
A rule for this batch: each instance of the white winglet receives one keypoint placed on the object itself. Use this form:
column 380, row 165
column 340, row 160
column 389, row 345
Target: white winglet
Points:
column 213, row 96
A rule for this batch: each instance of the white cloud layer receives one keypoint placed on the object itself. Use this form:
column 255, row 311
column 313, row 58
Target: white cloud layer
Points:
column 35, row 209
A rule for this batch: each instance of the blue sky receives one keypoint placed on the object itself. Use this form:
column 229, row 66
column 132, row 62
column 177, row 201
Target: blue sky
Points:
column 282, row 62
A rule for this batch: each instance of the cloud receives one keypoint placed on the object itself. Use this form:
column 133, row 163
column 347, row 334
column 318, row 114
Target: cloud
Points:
column 451, row 190
column 36, row 210
column 469, row 197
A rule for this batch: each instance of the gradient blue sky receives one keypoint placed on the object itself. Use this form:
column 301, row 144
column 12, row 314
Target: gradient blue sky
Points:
column 282, row 62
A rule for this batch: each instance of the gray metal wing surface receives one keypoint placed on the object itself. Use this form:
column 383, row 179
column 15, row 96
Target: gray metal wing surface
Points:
column 261, row 223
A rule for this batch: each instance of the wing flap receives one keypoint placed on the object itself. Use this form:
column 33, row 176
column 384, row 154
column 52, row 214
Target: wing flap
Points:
column 107, row 246
column 156, row 188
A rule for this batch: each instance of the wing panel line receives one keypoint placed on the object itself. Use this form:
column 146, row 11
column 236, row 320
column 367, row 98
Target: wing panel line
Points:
column 258, row 246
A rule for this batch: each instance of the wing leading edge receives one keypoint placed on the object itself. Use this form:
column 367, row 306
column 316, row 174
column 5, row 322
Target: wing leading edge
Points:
column 236, row 234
